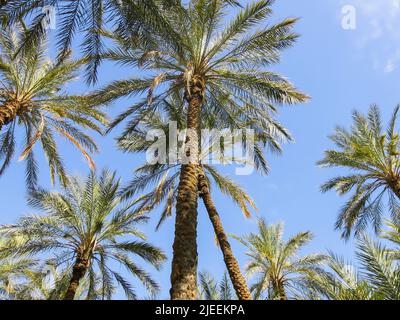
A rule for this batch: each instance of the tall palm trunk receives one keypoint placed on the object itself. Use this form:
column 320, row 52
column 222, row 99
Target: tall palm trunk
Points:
column 238, row 281
column 78, row 272
column 8, row 112
column 184, row 262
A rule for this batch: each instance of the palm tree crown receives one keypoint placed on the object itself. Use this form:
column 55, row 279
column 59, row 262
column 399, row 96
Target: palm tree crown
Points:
column 28, row 281
column 85, row 226
column 71, row 17
column 378, row 276
column 13, row 270
column 373, row 155
column 280, row 271
column 229, row 64
column 210, row 289
column 31, row 98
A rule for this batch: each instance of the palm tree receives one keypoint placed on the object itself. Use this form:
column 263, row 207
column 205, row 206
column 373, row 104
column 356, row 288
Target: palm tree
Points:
column 373, row 155
column 342, row 282
column 12, row 271
column 31, row 101
column 225, row 68
column 381, row 268
column 50, row 283
column 163, row 178
column 231, row 263
column 71, row 17
column 87, row 225
column 211, row 290
column 280, row 272
column 378, row 279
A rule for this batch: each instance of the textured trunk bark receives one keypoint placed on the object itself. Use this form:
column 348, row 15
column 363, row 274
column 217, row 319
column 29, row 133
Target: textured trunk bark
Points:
column 280, row 292
column 8, row 112
column 282, row 295
column 394, row 185
column 78, row 272
column 184, row 262
column 396, row 189
column 238, row 281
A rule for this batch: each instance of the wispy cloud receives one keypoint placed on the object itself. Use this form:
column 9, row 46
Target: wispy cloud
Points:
column 378, row 31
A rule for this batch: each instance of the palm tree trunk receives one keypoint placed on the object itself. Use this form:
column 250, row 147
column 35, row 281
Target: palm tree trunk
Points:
column 238, row 281
column 397, row 193
column 78, row 272
column 282, row 295
column 279, row 291
column 394, row 185
column 8, row 113
column 184, row 262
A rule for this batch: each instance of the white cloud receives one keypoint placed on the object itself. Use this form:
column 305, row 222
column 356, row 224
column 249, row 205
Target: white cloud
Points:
column 390, row 66
column 378, row 31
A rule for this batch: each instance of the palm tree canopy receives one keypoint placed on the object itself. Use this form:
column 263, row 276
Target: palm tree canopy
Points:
column 373, row 156
column 71, row 17
column 13, row 270
column 90, row 219
column 380, row 267
column 276, row 262
column 378, row 277
column 31, row 97
column 49, row 283
column 230, row 59
column 342, row 281
column 210, row 289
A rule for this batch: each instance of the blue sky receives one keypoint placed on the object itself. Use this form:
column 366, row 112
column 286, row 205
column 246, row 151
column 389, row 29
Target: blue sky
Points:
column 340, row 69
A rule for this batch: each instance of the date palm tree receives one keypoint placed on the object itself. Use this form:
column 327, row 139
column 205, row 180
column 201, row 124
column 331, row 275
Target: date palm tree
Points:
column 162, row 179
column 342, row 281
column 13, row 270
column 279, row 271
column 71, row 17
column 372, row 155
column 24, row 280
column 210, row 289
column 85, row 226
column 377, row 279
column 205, row 62
column 33, row 104
column 49, row 283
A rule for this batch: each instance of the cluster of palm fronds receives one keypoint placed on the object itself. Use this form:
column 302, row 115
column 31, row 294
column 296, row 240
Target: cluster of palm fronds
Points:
column 279, row 272
column 201, row 70
column 85, row 228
